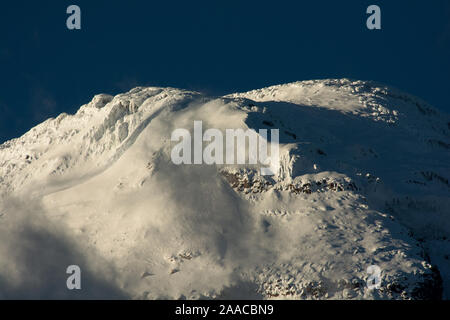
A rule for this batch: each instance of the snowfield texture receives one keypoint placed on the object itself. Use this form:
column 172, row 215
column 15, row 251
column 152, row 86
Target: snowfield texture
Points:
column 364, row 180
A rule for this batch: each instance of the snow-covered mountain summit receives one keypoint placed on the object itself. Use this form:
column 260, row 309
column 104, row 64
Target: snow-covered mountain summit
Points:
column 363, row 181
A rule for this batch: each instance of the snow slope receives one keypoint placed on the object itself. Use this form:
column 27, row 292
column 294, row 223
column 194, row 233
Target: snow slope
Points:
column 363, row 180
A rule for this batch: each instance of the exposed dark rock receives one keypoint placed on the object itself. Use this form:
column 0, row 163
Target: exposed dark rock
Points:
column 430, row 288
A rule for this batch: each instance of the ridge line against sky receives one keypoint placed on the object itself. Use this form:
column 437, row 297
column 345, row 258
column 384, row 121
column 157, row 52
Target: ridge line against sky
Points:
column 216, row 47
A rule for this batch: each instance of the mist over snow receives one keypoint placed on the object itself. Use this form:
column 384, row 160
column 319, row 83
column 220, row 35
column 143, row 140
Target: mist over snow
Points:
column 363, row 181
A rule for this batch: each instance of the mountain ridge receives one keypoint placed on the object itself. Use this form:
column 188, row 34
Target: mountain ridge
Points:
column 363, row 180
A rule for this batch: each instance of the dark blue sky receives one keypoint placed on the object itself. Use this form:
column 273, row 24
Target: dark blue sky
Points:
column 216, row 46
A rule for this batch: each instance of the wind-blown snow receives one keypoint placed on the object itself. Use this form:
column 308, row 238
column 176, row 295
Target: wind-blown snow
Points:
column 363, row 180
